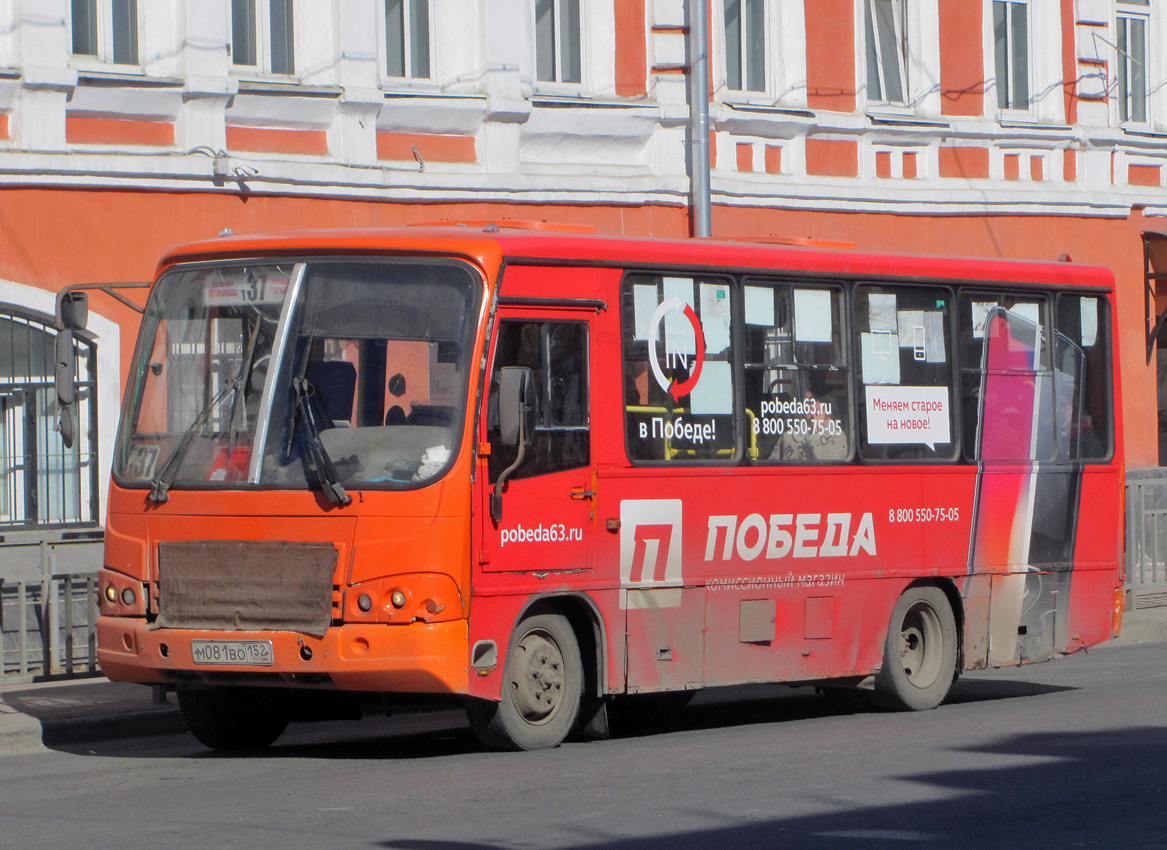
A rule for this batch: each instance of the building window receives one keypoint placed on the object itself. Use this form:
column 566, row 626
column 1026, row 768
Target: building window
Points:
column 886, row 69
column 1011, row 53
column 262, row 35
column 407, row 38
column 1131, row 38
column 106, row 30
column 745, row 45
column 557, row 41
column 43, row 484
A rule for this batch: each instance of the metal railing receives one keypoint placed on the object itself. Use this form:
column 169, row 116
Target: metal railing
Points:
column 48, row 628
column 1146, row 555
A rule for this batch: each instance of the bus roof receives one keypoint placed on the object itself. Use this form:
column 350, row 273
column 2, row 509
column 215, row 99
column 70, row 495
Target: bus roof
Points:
column 489, row 245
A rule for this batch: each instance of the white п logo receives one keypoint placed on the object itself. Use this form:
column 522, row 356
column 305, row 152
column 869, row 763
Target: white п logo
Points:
column 650, row 544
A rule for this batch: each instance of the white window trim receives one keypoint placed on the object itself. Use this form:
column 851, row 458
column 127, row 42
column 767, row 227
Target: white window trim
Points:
column 103, row 61
column 784, row 58
column 903, row 34
column 769, row 34
column 408, row 81
column 261, row 70
column 554, row 87
column 1046, row 95
column 922, row 60
column 1150, row 35
column 1014, row 114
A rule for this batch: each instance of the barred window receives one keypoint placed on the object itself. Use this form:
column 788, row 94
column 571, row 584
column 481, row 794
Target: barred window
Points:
column 43, row 484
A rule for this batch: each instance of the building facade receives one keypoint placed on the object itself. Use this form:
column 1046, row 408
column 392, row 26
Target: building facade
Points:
column 997, row 128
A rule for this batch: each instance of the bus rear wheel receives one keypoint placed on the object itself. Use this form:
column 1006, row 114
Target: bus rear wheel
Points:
column 234, row 719
column 541, row 691
column 919, row 658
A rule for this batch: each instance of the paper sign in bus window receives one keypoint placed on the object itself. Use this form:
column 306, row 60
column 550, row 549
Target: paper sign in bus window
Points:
column 759, row 306
column 812, row 315
column 1089, row 311
column 980, row 314
column 1027, row 310
column 881, row 309
column 715, row 317
column 644, row 303
column 908, row 415
column 881, row 358
column 714, row 392
column 679, row 337
column 923, row 332
column 911, row 332
column 934, row 337
column 255, row 286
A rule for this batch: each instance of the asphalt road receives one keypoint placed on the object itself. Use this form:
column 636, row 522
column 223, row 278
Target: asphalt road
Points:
column 1067, row 754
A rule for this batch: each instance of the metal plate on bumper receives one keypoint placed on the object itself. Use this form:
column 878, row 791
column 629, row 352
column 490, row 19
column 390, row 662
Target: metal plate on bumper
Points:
column 245, row 653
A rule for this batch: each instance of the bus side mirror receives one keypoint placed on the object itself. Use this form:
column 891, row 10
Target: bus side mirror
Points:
column 72, row 314
column 516, row 406
column 64, row 367
column 73, row 310
column 516, row 424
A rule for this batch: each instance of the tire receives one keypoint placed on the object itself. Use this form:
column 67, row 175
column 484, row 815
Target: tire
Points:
column 542, row 687
column 919, row 658
column 234, row 719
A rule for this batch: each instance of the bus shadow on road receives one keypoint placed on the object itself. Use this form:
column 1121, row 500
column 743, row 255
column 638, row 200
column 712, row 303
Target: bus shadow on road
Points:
column 422, row 733
column 1039, row 790
column 755, row 704
column 986, row 690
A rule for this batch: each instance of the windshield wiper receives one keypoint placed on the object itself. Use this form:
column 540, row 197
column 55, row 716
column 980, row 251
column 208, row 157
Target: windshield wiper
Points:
column 160, row 486
column 238, row 411
column 316, row 459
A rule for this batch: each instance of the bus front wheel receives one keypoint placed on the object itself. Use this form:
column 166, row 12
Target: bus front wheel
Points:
column 234, row 718
column 919, row 658
column 541, row 690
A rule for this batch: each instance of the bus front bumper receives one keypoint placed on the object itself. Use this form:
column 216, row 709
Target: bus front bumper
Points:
column 423, row 658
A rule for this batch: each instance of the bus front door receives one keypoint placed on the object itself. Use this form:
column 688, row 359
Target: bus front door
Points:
column 543, row 499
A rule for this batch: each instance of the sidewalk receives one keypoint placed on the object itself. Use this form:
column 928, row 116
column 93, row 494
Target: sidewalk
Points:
column 85, row 710
column 81, row 710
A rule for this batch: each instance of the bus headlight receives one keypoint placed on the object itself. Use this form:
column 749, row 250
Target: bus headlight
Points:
column 121, row 595
column 402, row 599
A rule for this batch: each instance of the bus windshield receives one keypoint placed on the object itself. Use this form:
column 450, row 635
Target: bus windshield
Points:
column 320, row 374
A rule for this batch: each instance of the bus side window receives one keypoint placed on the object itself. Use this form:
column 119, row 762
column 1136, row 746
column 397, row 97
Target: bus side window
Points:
column 906, row 399
column 557, row 354
column 796, row 375
column 1019, row 409
column 678, row 369
column 1084, row 321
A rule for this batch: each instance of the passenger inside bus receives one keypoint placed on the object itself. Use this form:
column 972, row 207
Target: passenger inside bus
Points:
column 820, row 432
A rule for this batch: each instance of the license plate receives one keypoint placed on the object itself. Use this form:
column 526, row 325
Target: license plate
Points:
column 249, row 653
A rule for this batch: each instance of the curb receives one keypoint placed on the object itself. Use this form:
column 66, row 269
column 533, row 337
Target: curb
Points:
column 1142, row 625
column 130, row 724
column 19, row 733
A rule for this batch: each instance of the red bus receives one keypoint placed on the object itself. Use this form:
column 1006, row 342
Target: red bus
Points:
column 537, row 471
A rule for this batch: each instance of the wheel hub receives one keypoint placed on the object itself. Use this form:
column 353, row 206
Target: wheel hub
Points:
column 920, row 645
column 537, row 682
